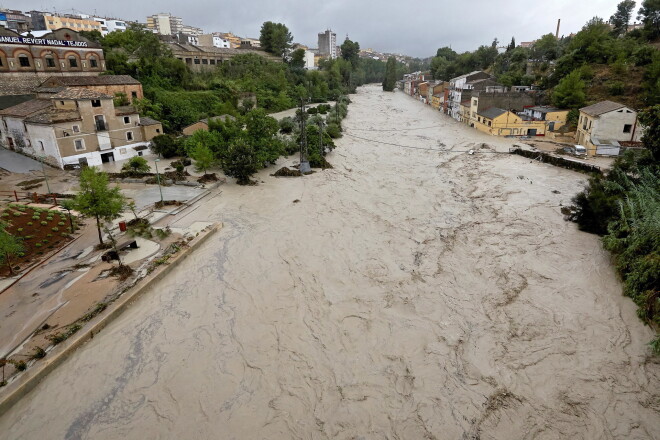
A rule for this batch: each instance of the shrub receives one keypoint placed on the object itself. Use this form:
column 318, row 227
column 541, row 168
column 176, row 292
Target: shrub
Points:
column 55, row 229
column 5, row 214
column 17, row 214
column 36, row 217
column 38, row 353
column 136, row 164
column 30, row 223
column 64, row 234
column 334, row 131
column 44, row 223
column 20, row 229
column 287, row 125
column 615, row 88
column 60, row 224
column 20, row 365
column 49, row 235
column 38, row 245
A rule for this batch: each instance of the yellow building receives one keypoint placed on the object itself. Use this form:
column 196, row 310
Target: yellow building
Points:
column 498, row 122
column 77, row 24
column 437, row 100
column 464, row 111
column 234, row 40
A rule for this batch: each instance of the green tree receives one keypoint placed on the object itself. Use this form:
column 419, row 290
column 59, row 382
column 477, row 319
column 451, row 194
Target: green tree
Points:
column 546, row 48
column 570, row 92
column 260, row 133
column 241, row 161
column 137, row 165
column 275, row 38
column 96, row 198
column 649, row 13
column 350, row 51
column 622, row 16
column 165, row 145
column 297, row 60
column 511, row 45
column 10, row 246
column 650, row 119
column 446, row 52
column 390, row 75
column 203, row 157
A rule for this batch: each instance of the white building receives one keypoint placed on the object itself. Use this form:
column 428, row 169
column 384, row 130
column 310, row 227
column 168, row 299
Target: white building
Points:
column 165, row 24
column 328, row 44
column 456, row 87
column 107, row 24
column 309, row 60
column 110, row 25
column 602, row 126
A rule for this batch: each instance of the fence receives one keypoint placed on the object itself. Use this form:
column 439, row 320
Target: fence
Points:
column 27, row 196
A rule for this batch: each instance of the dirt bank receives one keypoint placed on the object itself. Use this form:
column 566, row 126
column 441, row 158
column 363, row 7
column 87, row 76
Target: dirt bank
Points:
column 408, row 294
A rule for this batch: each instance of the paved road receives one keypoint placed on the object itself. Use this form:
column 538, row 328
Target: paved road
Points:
column 17, row 163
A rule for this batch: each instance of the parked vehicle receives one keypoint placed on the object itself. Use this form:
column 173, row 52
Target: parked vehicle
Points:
column 576, row 150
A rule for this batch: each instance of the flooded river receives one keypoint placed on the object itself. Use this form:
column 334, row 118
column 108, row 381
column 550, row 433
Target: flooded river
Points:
column 405, row 294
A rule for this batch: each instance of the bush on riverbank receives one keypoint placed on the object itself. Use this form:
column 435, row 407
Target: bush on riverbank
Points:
column 624, row 207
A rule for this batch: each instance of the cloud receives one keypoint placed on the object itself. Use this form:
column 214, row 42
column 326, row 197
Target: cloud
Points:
column 385, row 25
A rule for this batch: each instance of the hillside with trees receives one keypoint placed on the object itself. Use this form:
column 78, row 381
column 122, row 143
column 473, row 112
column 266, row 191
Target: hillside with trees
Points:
column 178, row 97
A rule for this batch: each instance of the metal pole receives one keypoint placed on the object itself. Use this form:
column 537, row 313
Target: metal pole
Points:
column 43, row 170
column 158, row 180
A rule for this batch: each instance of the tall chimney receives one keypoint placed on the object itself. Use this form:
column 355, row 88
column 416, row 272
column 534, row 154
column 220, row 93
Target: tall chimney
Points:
column 558, row 23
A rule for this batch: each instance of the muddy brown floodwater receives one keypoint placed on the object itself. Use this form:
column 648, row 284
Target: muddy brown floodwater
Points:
column 409, row 294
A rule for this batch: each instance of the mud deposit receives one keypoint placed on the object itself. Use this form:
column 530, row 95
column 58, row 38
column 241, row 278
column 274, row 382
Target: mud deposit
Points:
column 409, row 294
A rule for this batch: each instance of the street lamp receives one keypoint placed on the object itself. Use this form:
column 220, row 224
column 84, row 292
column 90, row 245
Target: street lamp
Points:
column 158, row 180
column 43, row 170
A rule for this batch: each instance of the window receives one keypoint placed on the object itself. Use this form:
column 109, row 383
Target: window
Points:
column 79, row 144
column 100, row 123
column 129, row 135
column 50, row 22
column 0, row 62
column 50, row 61
column 627, row 128
column 73, row 62
column 24, row 61
column 205, row 61
column 127, row 119
column 61, row 102
column 212, row 61
column 76, row 129
column 196, row 61
column 93, row 62
column 134, row 95
column 489, row 123
column 158, row 130
column 96, row 103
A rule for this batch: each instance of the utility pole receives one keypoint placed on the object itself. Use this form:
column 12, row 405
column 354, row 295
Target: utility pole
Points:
column 304, row 161
column 158, row 180
column 321, row 137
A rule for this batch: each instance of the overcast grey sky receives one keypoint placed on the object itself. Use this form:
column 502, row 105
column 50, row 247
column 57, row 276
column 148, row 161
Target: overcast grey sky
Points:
column 401, row 26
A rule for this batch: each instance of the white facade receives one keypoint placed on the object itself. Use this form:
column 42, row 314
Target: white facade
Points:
column 328, row 44
column 13, row 133
column 221, row 42
column 44, row 144
column 309, row 60
column 110, row 25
